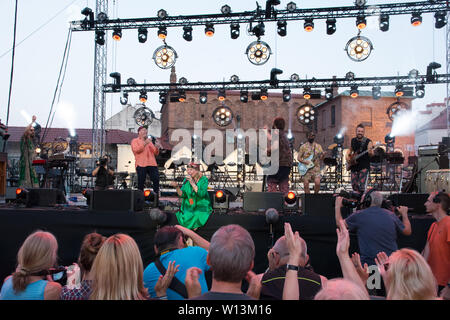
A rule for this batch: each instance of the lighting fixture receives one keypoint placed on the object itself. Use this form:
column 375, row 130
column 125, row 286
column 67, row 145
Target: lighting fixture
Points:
column 291, row 7
column 331, row 26
column 226, row 9
column 124, row 98
column 100, row 37
column 258, row 30
column 89, row 17
column 440, row 19
column 305, row 114
column 163, row 97
column 116, row 77
column 244, row 96
column 361, row 22
column 359, row 48
column 307, row 93
column 165, row 57
column 264, row 94
column 308, row 25
column 234, row 78
column 416, row 19
column 420, row 90
column 376, row 92
column 209, row 30
column 286, row 95
column 235, row 30
column 223, row 116
column 282, row 28
column 413, row 74
column 183, row 81
column 143, row 96
column 162, row 14
column 258, row 52
column 182, row 96
column 290, row 198
column 399, row 90
column 396, row 108
column 339, row 139
column 162, row 32
column 349, row 76
column 101, row 17
column 142, row 34
column 329, row 93
column 384, row 22
column 203, row 97
column 187, row 33
column 117, row 34
column 354, row 93
column 221, row 95
column 131, row 82
column 295, row 77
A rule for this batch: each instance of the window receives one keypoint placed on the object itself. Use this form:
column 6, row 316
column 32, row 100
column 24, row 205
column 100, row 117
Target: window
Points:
column 333, row 115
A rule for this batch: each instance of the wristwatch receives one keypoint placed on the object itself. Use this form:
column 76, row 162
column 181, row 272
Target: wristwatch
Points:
column 292, row 267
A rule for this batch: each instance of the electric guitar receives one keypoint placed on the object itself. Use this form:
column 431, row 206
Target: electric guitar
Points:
column 304, row 168
column 352, row 159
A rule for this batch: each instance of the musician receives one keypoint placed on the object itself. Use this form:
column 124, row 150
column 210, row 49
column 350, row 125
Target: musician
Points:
column 104, row 174
column 27, row 174
column 144, row 153
column 360, row 170
column 308, row 149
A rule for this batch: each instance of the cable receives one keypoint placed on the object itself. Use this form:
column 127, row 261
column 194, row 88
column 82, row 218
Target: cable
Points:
column 12, row 65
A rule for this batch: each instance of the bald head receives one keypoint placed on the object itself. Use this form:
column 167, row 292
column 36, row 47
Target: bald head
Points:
column 281, row 248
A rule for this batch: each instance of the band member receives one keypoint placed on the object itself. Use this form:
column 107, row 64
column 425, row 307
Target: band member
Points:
column 27, row 174
column 195, row 203
column 280, row 180
column 104, row 174
column 360, row 169
column 310, row 155
column 144, row 153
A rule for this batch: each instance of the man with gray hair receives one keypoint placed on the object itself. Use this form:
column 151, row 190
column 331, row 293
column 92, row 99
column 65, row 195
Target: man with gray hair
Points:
column 309, row 282
column 376, row 228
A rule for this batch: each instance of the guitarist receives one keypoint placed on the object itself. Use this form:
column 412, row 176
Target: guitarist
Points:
column 360, row 170
column 306, row 150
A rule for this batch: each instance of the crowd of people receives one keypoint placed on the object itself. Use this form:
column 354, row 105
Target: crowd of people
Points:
column 111, row 268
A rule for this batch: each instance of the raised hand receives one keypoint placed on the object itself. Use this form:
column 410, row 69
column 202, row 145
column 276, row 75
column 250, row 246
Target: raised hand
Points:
column 382, row 261
column 362, row 271
column 164, row 281
column 343, row 242
column 293, row 243
column 192, row 283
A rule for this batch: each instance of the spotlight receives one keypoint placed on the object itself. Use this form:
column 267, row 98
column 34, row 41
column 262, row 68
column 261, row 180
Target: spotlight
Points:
column 399, row 90
column 291, row 7
column 359, row 48
column 235, row 30
column 223, row 116
column 150, row 198
column 440, row 19
column 116, row 77
column 395, row 108
column 420, row 91
column 273, row 76
column 282, row 31
column 258, row 52
column 187, row 34
column 307, row 93
column 305, row 114
column 354, row 93
column 416, row 19
column 258, row 30
column 209, row 30
column 131, row 82
column 203, row 97
column 163, row 97
column 162, row 32
column 290, row 198
column 339, row 139
column 329, row 93
column 234, row 78
column 220, row 201
column 143, row 96
column 102, row 17
column 244, row 96
column 350, row 76
column 162, row 14
column 308, row 25
column 183, row 81
column 124, row 98
column 376, row 92
column 361, row 22
column 89, row 17
column 100, row 37
column 431, row 71
column 142, row 35
column 264, row 94
column 221, row 95
column 226, row 9
column 389, row 139
column 256, row 95
column 117, row 34
column 38, row 150
column 384, row 22
column 295, row 77
column 165, row 57
column 286, row 95
column 182, row 96
column 413, row 74
column 331, row 26
column 360, row 3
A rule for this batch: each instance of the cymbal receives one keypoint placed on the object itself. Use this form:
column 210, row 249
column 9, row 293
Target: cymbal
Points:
column 332, row 146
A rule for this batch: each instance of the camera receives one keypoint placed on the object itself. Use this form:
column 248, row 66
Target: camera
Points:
column 102, row 161
column 350, row 199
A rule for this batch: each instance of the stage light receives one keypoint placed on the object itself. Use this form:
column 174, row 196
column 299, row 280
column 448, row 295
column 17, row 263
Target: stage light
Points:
column 220, row 196
column 234, row 78
column 416, row 19
column 258, row 30
column 187, row 34
column 295, row 77
column 163, row 97
column 116, row 77
column 165, row 57
column 223, row 116
column 350, row 76
column 413, row 74
column 143, row 96
column 183, row 81
column 273, row 76
column 101, row 17
column 395, row 108
column 256, row 95
column 440, row 19
column 290, row 198
column 38, row 150
column 244, row 96
column 361, row 22
column 235, row 30
column 221, row 95
column 431, row 71
column 220, row 200
column 162, row 32
column 124, row 98
column 203, row 97
column 286, row 95
column 162, row 14
column 359, row 48
column 420, row 91
column 399, row 90
column 384, row 22
column 329, row 93
column 226, row 9
column 389, row 139
column 282, row 28
column 182, row 96
column 339, row 139
column 291, row 7
column 331, row 26
column 305, row 114
column 209, row 30
column 360, row 3
column 142, row 35
column 264, row 95
column 117, row 34
column 150, row 198
column 354, row 93
column 100, row 37
column 307, row 93
column 308, row 25
column 258, row 52
column 131, row 82
column 376, row 92
column 89, row 17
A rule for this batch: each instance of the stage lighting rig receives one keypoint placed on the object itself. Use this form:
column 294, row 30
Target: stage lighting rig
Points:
column 222, row 116
column 329, row 93
column 286, row 95
column 163, row 97
column 244, row 96
column 182, row 96
column 187, row 33
column 358, row 48
column 420, row 90
column 361, row 22
column 295, row 77
column 100, row 37
column 331, row 26
column 209, row 29
column 354, row 92
column 431, row 71
column 291, row 7
column 416, row 19
column 282, row 28
column 235, row 30
column 376, row 92
column 440, row 19
column 124, row 98
column 234, row 79
column 162, row 32
column 399, row 92
column 305, row 114
column 221, row 95
column 395, row 109
column 307, row 92
column 116, row 84
column 273, row 76
column 143, row 96
column 308, row 25
column 226, row 9
column 117, row 34
column 165, row 56
column 203, row 97
column 89, row 20
column 384, row 22
column 269, row 7
column 142, row 35
column 131, row 82
column 263, row 94
column 162, row 14
column 258, row 52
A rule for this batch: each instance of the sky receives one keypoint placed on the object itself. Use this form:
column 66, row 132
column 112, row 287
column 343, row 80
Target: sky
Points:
column 43, row 26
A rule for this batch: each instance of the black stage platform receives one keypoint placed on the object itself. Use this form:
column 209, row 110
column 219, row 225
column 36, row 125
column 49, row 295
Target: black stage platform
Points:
column 70, row 225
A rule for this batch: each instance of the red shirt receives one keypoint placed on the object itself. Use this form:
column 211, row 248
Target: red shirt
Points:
column 144, row 155
column 439, row 250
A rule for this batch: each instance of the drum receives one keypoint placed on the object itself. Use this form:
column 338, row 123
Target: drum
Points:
column 437, row 180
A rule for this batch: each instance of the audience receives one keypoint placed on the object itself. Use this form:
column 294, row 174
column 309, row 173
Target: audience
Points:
column 31, row 280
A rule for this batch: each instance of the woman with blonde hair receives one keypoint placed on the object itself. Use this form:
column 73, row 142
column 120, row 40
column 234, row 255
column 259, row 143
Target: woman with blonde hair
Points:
column 36, row 256
column 117, row 271
column 406, row 275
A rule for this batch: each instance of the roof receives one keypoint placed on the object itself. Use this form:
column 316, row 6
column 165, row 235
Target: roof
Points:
column 438, row 122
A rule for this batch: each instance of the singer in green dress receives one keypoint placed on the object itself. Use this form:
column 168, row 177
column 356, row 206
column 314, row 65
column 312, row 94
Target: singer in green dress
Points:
column 195, row 203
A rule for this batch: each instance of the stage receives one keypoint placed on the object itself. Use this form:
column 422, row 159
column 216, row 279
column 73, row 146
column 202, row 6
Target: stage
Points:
column 71, row 223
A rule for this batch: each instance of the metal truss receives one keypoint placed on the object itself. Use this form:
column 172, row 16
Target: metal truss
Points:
column 406, row 81
column 260, row 15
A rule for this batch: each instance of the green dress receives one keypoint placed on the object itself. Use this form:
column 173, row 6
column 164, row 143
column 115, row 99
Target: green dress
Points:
column 195, row 206
column 27, row 174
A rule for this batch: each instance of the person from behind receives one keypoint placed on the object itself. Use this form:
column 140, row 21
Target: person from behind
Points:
column 104, row 175
column 30, row 281
column 341, row 289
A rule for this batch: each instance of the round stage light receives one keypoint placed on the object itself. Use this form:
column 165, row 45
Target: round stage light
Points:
column 165, row 56
column 222, row 116
column 395, row 109
column 258, row 52
column 305, row 114
column 359, row 48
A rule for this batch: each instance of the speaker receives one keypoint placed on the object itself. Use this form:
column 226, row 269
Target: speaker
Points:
column 44, row 197
column 261, row 201
column 321, row 205
column 414, row 201
column 117, row 200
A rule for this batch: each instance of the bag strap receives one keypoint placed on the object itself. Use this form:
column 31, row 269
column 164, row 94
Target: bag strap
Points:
column 176, row 285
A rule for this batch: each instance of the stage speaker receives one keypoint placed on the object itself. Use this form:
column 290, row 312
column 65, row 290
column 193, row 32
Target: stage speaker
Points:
column 37, row 197
column 126, row 200
column 321, row 205
column 415, row 201
column 261, row 201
